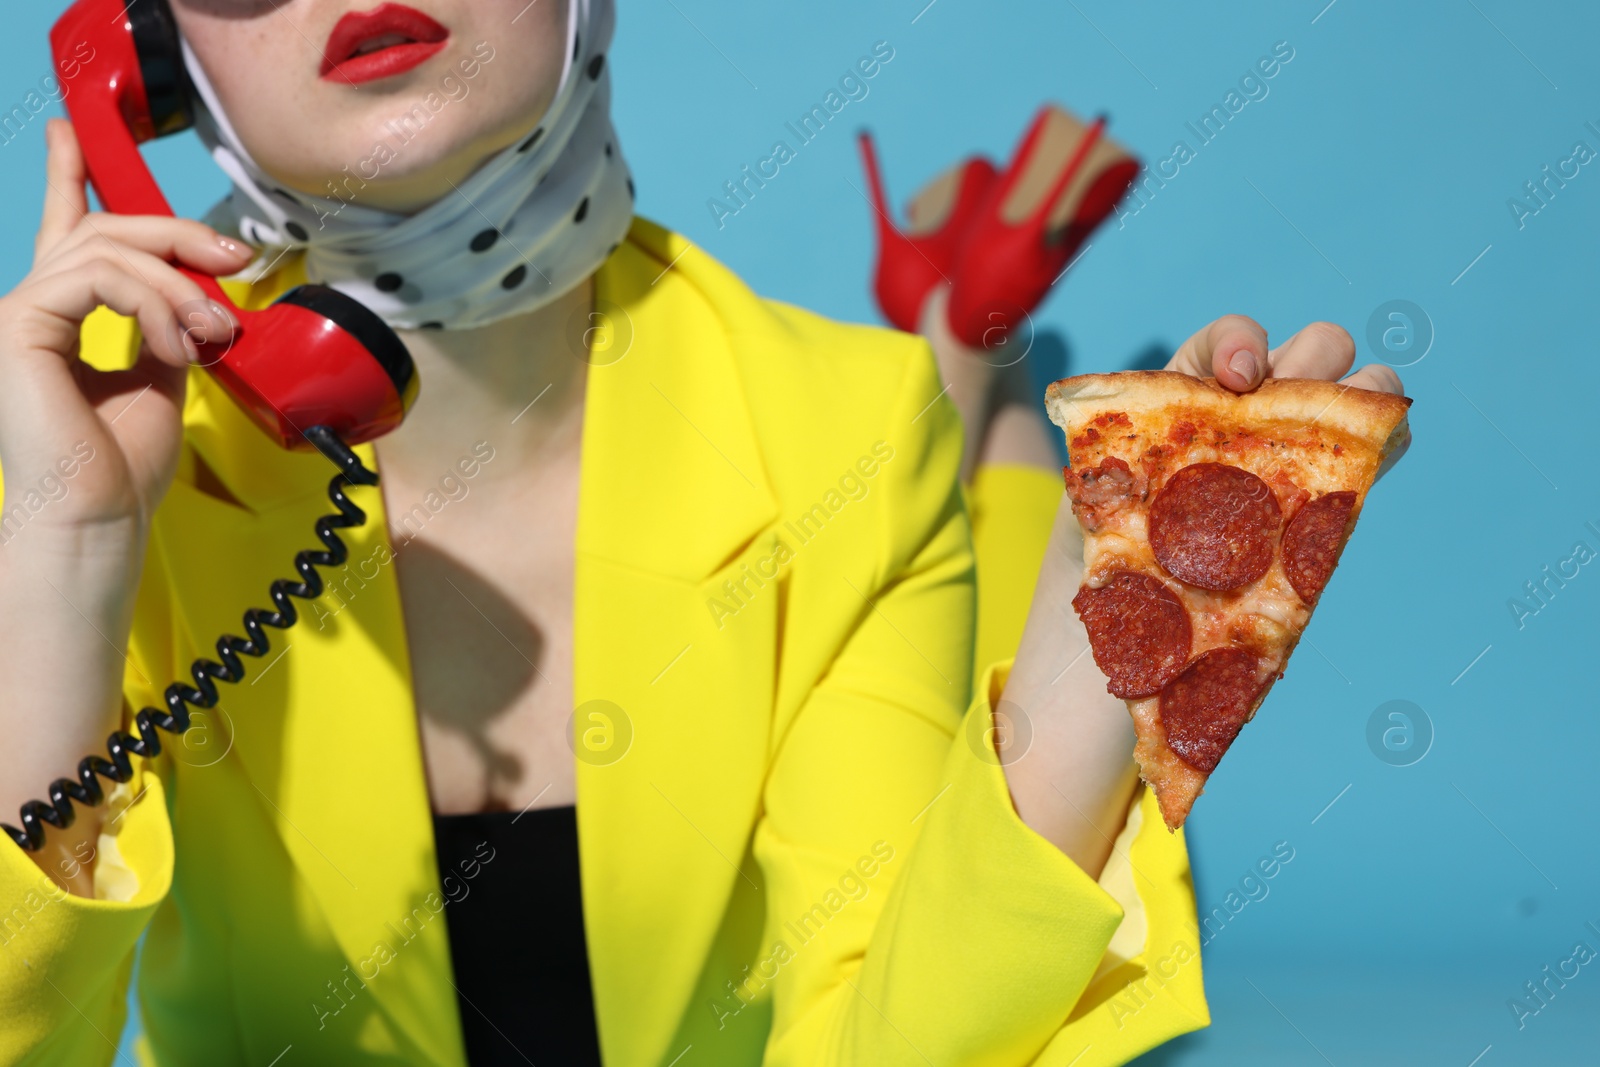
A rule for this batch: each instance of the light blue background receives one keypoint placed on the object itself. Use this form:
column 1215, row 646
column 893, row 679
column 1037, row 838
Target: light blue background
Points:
column 1381, row 160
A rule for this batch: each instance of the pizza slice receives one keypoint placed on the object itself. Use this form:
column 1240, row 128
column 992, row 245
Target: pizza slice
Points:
column 1211, row 521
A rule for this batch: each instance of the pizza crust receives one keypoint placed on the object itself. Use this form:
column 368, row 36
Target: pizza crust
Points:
column 1175, row 784
column 1376, row 419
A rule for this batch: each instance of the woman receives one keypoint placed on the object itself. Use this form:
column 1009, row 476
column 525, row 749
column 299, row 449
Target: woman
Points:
column 727, row 532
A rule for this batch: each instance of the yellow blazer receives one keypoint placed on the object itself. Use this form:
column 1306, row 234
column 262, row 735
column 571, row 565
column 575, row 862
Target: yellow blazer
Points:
column 797, row 846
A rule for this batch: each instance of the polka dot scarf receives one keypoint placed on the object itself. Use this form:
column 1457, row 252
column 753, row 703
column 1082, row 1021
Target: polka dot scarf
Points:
column 530, row 224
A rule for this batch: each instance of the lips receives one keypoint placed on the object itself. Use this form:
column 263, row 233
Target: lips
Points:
column 388, row 40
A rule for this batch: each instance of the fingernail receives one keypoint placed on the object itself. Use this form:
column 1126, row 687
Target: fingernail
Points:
column 1244, row 365
column 225, row 315
column 230, row 246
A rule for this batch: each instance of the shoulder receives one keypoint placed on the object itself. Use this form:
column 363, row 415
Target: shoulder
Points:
column 821, row 393
column 773, row 337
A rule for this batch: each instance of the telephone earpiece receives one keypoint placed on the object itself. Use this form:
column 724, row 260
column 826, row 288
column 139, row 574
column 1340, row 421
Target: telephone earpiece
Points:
column 315, row 357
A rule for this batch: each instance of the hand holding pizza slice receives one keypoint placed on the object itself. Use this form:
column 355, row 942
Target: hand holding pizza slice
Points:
column 1213, row 514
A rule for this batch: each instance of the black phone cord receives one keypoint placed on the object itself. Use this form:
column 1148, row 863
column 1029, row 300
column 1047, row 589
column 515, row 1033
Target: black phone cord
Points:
column 86, row 790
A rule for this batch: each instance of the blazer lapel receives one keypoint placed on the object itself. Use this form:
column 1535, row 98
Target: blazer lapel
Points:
column 674, row 501
column 674, row 696
column 325, row 726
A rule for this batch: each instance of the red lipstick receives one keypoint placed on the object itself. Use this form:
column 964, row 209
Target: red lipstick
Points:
column 388, row 40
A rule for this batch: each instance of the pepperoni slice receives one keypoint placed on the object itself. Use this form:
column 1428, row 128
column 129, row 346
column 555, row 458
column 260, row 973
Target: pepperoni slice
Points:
column 1213, row 526
column 1204, row 708
column 1313, row 541
column 1099, row 491
column 1138, row 631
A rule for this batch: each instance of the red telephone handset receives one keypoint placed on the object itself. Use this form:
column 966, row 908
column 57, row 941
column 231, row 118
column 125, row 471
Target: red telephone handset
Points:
column 314, row 370
column 315, row 358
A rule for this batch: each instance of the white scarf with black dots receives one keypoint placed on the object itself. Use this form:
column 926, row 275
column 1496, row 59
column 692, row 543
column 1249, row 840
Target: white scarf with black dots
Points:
column 531, row 223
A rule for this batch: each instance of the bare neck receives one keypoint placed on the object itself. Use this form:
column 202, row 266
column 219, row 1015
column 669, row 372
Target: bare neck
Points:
column 518, row 384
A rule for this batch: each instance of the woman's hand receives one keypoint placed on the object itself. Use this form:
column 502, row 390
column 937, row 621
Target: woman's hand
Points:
column 86, row 456
column 1075, row 781
column 55, row 407
column 1234, row 351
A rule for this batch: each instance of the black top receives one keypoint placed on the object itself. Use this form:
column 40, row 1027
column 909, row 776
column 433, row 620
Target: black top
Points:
column 515, row 916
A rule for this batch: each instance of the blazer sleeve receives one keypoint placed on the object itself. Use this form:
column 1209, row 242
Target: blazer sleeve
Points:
column 66, row 961
column 916, row 918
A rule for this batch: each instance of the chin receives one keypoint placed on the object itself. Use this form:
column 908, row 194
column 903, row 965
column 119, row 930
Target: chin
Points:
column 399, row 159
